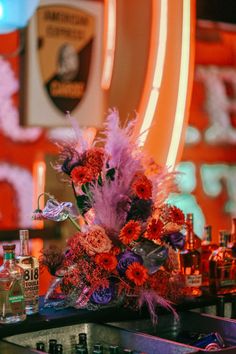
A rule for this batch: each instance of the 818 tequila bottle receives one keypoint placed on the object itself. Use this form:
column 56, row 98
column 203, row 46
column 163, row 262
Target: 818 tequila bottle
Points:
column 30, row 266
column 12, row 301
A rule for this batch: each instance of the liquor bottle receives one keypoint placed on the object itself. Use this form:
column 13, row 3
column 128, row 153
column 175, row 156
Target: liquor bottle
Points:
column 79, row 349
column 98, row 347
column 206, row 250
column 222, row 267
column 220, row 306
column 113, row 349
column 40, row 346
column 30, row 266
column 233, row 306
column 12, row 300
column 52, row 346
column 59, row 349
column 83, row 341
column 233, row 237
column 190, row 261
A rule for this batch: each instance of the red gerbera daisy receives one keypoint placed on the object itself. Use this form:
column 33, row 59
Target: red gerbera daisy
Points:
column 177, row 215
column 106, row 261
column 154, row 229
column 142, row 187
column 137, row 273
column 130, row 232
column 170, row 213
column 81, row 175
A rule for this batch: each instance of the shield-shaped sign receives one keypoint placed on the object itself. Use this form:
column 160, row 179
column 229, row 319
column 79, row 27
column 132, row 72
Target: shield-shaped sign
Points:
column 65, row 41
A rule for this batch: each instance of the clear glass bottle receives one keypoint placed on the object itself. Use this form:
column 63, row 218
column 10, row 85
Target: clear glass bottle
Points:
column 30, row 266
column 222, row 267
column 206, row 250
column 12, row 300
column 190, row 262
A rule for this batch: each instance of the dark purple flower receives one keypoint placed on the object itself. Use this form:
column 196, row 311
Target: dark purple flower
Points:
column 125, row 259
column 103, row 296
column 140, row 209
column 176, row 240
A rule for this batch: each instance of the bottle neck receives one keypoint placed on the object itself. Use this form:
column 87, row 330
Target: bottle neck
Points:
column 233, row 230
column 207, row 236
column 8, row 258
column 223, row 239
column 190, row 237
column 24, row 247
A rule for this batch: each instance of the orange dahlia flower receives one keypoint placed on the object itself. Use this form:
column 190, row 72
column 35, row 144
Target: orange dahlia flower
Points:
column 106, row 261
column 130, row 232
column 137, row 273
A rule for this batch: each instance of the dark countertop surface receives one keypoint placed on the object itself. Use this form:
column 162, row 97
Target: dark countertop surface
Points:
column 50, row 318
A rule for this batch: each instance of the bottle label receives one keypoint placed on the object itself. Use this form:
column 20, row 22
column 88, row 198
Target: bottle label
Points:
column 16, row 298
column 194, row 280
column 13, row 299
column 227, row 282
column 31, row 283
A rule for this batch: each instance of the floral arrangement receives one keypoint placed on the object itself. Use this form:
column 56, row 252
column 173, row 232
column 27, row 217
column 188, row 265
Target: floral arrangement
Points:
column 126, row 233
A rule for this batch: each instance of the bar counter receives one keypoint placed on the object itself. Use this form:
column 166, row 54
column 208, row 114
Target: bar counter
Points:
column 50, row 318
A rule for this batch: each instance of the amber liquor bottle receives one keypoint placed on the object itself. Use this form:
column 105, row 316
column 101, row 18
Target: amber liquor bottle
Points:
column 233, row 237
column 190, row 261
column 12, row 300
column 30, row 266
column 206, row 250
column 222, row 267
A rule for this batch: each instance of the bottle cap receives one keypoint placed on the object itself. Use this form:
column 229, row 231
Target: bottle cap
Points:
column 224, row 237
column 190, row 216
column 98, row 346
column 9, row 247
column 24, row 234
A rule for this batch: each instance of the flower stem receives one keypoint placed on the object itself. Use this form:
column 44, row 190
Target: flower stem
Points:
column 74, row 222
column 42, row 194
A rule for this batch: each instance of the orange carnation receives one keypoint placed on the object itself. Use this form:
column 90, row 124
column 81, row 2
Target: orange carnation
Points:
column 94, row 159
column 81, row 175
column 130, row 232
column 137, row 273
column 142, row 187
column 154, row 229
column 106, row 261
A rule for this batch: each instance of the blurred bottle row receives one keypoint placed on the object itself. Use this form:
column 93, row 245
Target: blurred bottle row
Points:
column 82, row 347
column 207, row 266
